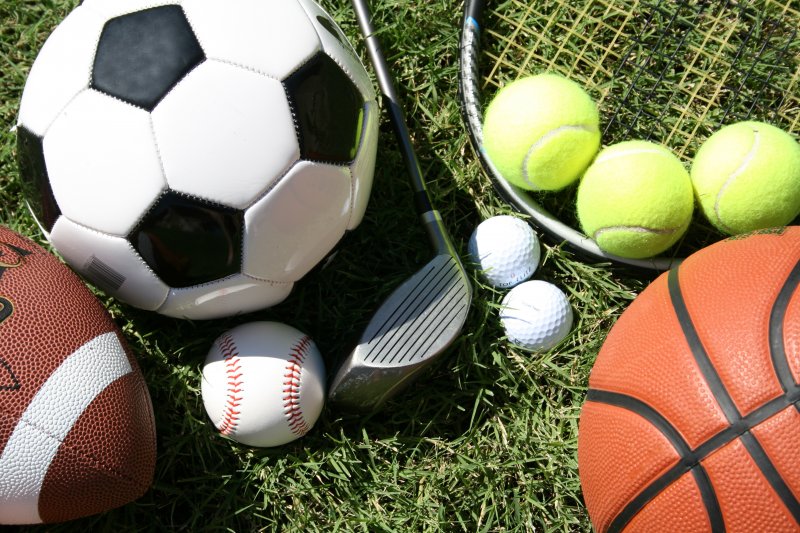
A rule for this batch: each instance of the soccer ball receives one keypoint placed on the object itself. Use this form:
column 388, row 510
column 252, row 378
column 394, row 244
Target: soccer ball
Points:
column 197, row 157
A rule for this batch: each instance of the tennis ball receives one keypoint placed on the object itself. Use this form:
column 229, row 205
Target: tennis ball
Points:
column 746, row 176
column 635, row 200
column 541, row 132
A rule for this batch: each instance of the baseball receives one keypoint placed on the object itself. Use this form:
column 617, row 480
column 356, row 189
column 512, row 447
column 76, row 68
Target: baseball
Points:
column 263, row 384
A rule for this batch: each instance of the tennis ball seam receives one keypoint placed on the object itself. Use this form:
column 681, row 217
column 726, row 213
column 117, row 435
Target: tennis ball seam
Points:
column 638, row 229
column 636, row 151
column 734, row 175
column 543, row 139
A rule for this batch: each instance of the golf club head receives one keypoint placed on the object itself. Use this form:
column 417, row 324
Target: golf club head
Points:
column 425, row 314
column 413, row 326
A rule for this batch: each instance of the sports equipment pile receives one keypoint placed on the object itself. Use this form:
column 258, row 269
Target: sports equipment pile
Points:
column 198, row 158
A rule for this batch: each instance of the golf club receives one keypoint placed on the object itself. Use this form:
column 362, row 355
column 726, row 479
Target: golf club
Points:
column 425, row 314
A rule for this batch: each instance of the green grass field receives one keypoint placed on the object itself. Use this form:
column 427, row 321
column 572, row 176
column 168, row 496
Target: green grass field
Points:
column 484, row 442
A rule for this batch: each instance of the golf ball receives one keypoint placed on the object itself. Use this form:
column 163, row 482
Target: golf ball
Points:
column 536, row 315
column 506, row 250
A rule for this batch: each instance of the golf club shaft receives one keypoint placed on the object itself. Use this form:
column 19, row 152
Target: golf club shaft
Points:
column 391, row 99
column 424, row 315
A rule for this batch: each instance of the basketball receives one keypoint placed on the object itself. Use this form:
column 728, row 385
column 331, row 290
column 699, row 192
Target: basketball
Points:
column 691, row 422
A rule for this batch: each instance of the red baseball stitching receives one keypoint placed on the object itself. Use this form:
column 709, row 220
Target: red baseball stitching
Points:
column 230, row 416
column 291, row 387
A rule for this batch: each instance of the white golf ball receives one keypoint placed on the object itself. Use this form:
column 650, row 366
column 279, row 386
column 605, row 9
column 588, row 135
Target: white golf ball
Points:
column 506, row 250
column 536, row 315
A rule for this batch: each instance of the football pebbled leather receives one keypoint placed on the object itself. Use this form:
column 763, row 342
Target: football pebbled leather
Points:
column 77, row 435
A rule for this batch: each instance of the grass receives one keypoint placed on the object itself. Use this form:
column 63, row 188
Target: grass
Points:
column 484, row 442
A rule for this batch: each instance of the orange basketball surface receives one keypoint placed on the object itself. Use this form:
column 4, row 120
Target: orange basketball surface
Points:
column 691, row 422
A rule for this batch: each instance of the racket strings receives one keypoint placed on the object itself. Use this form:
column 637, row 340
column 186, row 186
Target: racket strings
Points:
column 668, row 71
column 729, row 73
column 530, row 37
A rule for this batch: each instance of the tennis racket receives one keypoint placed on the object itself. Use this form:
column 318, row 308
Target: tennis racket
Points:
column 668, row 71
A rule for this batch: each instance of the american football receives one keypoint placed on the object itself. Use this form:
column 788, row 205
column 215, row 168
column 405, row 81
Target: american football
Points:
column 197, row 158
column 77, row 435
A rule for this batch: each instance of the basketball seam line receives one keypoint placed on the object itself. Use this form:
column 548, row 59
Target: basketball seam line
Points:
column 712, row 378
column 771, row 474
column 709, row 496
column 689, row 461
column 720, row 392
column 713, row 443
column 738, row 428
column 689, row 458
column 780, row 362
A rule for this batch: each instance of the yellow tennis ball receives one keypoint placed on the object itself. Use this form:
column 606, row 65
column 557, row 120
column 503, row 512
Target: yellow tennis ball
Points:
column 635, row 200
column 746, row 177
column 541, row 132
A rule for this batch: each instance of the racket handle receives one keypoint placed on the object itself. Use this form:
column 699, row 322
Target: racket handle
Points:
column 473, row 9
column 469, row 92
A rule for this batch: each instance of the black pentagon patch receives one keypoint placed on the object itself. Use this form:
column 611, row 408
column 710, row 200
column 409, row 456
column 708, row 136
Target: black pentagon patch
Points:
column 328, row 111
column 187, row 241
column 35, row 180
column 142, row 55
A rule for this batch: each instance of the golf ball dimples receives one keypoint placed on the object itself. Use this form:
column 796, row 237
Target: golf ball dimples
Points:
column 506, row 250
column 536, row 315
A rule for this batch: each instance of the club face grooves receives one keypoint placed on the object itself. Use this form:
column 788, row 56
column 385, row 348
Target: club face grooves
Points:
column 424, row 312
column 414, row 326
column 423, row 316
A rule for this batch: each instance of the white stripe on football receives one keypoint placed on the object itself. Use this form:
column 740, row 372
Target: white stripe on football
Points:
column 65, row 395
